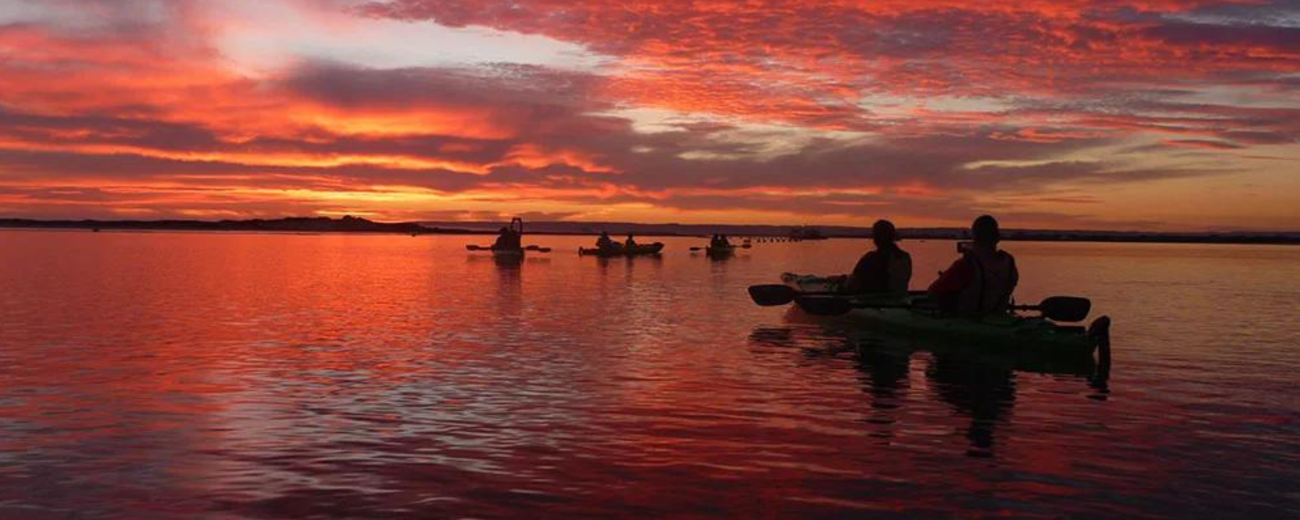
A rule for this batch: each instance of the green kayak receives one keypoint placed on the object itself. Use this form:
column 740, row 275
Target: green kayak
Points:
column 638, row 250
column 908, row 313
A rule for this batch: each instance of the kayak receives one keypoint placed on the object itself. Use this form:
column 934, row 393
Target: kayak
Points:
column 719, row 251
column 501, row 253
column 907, row 313
column 638, row 250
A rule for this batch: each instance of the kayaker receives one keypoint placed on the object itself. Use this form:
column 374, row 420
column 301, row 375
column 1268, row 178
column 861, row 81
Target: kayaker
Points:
column 605, row 242
column 508, row 240
column 982, row 280
column 887, row 269
column 630, row 243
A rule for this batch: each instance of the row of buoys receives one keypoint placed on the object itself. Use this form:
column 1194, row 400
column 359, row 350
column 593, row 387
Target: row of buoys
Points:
column 777, row 239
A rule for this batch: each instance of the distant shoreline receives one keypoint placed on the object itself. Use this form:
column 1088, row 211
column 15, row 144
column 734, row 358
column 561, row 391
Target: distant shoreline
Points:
column 282, row 225
column 364, row 226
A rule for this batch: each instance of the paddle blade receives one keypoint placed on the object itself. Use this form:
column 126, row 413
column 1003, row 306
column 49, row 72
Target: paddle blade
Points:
column 772, row 295
column 1065, row 308
column 824, row 305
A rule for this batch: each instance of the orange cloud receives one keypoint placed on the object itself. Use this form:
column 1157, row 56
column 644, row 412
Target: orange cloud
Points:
column 760, row 110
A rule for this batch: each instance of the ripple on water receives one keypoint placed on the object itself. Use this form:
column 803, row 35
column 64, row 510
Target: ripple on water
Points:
column 265, row 376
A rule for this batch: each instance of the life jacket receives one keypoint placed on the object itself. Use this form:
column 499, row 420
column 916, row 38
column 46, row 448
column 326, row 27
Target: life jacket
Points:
column 900, row 271
column 888, row 269
column 508, row 240
column 990, row 288
column 896, row 273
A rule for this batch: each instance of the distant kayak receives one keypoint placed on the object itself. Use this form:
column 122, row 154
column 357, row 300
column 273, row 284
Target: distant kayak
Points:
column 638, row 250
column 720, row 251
column 908, row 312
column 507, row 253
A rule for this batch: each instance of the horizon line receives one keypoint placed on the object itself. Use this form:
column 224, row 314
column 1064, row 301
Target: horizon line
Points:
column 424, row 222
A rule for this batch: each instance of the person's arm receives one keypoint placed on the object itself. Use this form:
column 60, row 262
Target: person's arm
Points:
column 1015, row 277
column 954, row 279
column 901, row 275
column 856, row 279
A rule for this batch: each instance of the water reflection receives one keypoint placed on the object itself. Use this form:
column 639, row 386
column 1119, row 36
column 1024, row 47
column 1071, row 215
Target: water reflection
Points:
column 166, row 376
column 983, row 392
column 974, row 384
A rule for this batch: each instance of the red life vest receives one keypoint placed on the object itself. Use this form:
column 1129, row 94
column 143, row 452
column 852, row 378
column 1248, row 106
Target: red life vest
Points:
column 989, row 291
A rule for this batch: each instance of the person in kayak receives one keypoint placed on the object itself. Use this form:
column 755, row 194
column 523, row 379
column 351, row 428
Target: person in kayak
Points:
column 887, row 269
column 630, row 243
column 605, row 243
column 982, row 280
column 508, row 240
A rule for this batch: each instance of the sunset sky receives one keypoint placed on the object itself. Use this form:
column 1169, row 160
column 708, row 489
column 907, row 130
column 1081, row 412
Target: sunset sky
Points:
column 1146, row 114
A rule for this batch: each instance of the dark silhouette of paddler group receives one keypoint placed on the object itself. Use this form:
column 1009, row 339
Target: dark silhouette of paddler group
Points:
column 981, row 281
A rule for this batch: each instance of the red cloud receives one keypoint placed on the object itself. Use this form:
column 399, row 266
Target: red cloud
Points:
column 151, row 117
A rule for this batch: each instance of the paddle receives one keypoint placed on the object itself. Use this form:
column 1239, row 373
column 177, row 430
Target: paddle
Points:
column 770, row 295
column 825, row 305
column 539, row 249
column 1061, row 308
column 1057, row 308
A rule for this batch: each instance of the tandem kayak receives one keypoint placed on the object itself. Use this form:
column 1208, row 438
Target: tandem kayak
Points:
column 908, row 313
column 638, row 250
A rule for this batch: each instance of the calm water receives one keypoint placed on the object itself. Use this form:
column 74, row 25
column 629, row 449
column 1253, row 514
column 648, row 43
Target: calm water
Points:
column 186, row 376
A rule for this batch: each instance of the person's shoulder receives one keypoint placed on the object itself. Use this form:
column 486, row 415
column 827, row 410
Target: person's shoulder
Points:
column 900, row 252
column 1008, row 258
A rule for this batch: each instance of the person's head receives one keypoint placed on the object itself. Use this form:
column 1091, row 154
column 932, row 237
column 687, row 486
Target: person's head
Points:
column 985, row 231
column 883, row 233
